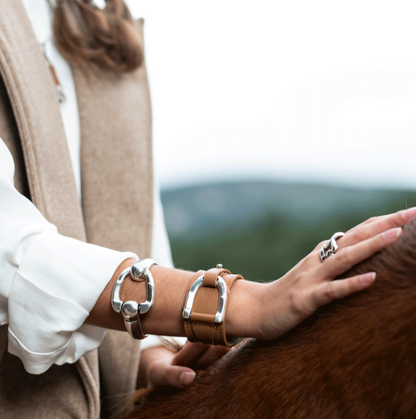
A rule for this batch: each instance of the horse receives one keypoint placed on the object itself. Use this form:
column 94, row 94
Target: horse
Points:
column 353, row 359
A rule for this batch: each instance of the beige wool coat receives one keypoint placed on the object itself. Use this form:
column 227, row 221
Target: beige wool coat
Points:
column 116, row 211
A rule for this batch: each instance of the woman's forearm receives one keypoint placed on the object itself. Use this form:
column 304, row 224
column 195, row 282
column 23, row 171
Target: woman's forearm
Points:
column 260, row 310
column 171, row 286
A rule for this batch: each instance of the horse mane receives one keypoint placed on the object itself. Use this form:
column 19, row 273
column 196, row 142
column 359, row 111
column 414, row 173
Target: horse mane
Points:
column 353, row 359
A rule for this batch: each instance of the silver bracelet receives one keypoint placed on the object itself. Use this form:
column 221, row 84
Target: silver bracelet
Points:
column 131, row 310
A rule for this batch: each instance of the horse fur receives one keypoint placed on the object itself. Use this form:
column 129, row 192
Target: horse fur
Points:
column 353, row 359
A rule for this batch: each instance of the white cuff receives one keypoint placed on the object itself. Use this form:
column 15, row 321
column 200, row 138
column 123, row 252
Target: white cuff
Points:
column 54, row 290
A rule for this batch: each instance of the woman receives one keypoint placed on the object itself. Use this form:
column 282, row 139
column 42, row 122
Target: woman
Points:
column 76, row 141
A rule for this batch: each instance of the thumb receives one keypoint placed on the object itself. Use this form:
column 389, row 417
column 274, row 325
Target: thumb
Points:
column 161, row 373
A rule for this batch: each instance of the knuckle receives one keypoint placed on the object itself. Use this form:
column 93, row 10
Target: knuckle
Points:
column 330, row 291
column 371, row 220
column 399, row 221
column 353, row 285
column 378, row 243
column 376, row 240
column 312, row 257
column 371, row 246
column 347, row 285
column 350, row 286
column 361, row 234
column 344, row 257
column 380, row 224
column 399, row 217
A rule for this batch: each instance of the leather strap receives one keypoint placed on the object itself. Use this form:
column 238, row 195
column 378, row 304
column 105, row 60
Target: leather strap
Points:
column 201, row 327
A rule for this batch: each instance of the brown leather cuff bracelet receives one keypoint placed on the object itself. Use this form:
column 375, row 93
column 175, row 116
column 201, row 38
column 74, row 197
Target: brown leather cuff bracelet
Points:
column 206, row 306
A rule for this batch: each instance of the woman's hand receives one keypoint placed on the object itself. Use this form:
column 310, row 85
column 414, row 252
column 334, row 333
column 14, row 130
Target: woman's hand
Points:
column 309, row 285
column 160, row 366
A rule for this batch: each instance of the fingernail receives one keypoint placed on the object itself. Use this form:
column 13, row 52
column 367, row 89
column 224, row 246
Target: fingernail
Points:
column 187, row 378
column 367, row 279
column 392, row 234
column 410, row 213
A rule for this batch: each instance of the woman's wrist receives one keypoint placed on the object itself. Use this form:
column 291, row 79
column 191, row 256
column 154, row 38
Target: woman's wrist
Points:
column 245, row 308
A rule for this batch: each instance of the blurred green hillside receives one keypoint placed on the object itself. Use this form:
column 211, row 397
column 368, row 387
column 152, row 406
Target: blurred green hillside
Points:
column 262, row 229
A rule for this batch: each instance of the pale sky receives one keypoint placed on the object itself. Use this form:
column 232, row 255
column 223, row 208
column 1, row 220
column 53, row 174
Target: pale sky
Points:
column 293, row 90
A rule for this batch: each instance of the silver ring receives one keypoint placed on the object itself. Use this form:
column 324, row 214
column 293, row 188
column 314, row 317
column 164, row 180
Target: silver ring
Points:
column 330, row 247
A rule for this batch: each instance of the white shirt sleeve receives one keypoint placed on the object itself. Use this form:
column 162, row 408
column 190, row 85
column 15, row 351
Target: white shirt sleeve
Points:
column 42, row 274
column 48, row 283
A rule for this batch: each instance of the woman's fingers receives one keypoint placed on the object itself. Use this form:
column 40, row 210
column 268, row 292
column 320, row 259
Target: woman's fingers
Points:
column 371, row 220
column 190, row 353
column 176, row 373
column 346, row 258
column 334, row 290
column 372, row 227
column 375, row 226
column 212, row 354
column 162, row 373
column 199, row 355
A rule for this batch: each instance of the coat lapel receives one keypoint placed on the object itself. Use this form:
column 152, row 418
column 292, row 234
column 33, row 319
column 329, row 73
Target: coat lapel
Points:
column 116, row 158
column 32, row 94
